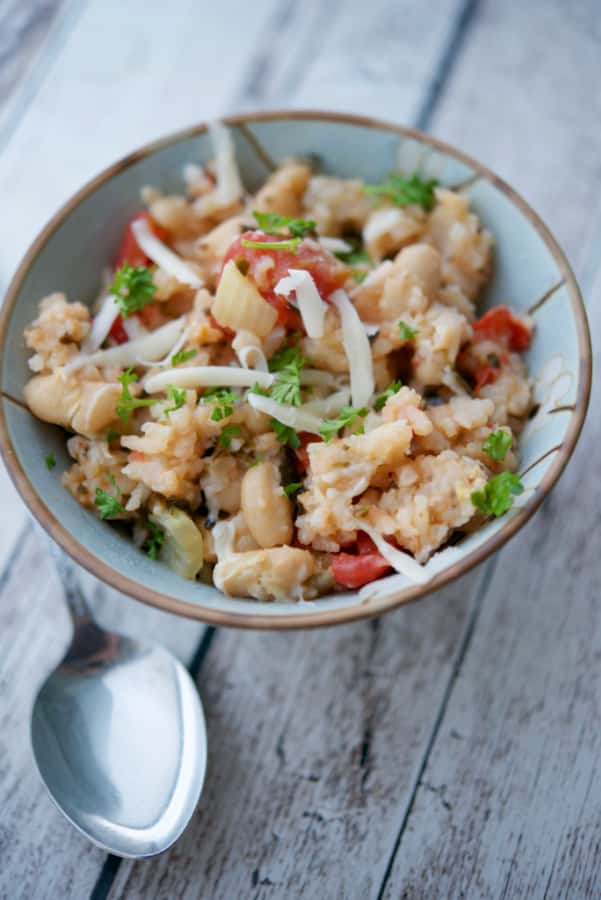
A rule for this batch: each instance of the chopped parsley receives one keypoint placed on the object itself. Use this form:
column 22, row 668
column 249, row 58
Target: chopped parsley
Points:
column 293, row 488
column 380, row 399
column 497, row 444
column 259, row 459
column 154, row 541
column 127, row 403
column 108, row 506
column 288, row 364
column 407, row 332
column 290, row 244
column 227, row 433
column 259, row 389
column 496, row 498
column 355, row 258
column 132, row 288
column 285, row 434
column 271, row 222
column 50, row 462
column 223, row 399
column 182, row 356
column 177, row 396
column 413, row 191
column 347, row 415
column 112, row 436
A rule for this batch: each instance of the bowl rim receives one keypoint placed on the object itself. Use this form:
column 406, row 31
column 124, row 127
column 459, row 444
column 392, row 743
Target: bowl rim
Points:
column 325, row 616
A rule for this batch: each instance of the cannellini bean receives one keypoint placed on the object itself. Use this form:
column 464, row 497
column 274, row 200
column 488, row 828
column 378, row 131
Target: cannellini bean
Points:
column 422, row 263
column 273, row 574
column 267, row 510
column 86, row 407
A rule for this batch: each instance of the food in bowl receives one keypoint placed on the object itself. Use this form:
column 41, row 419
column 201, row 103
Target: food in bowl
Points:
column 290, row 393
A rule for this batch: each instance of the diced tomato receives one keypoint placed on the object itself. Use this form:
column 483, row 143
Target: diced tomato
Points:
column 151, row 316
column 501, row 325
column 267, row 267
column 118, row 332
column 302, row 455
column 353, row 571
column 227, row 332
column 129, row 250
column 487, row 375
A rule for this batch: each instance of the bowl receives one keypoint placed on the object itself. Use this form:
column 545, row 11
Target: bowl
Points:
column 531, row 273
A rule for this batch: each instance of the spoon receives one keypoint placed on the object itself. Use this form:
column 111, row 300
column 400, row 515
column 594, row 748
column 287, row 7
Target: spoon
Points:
column 118, row 735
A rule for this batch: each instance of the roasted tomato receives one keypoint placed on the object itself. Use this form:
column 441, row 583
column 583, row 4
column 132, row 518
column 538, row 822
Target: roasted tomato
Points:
column 267, row 267
column 353, row 570
column 501, row 325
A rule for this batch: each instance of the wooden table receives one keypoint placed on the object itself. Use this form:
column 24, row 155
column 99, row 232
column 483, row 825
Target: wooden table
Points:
column 451, row 749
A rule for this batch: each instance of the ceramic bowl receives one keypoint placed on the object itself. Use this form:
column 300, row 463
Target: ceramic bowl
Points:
column 531, row 273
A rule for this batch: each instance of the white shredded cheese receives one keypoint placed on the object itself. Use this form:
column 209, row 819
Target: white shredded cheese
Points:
column 371, row 328
column 380, row 223
column 102, row 324
column 318, row 378
column 401, row 562
column 357, row 349
column 247, row 347
column 229, row 183
column 151, row 346
column 329, row 406
column 175, row 349
column 292, row 416
column 134, row 328
column 207, row 376
column 310, row 305
column 160, row 254
column 335, row 245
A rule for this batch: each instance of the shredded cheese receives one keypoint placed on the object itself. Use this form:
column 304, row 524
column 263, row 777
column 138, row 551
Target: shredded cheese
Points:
column 357, row 349
column 335, row 245
column 207, row 376
column 229, row 183
column 103, row 322
column 310, row 305
column 401, row 562
column 152, row 346
column 329, row 406
column 247, row 347
column 381, row 222
column 175, row 349
column 160, row 254
column 292, row 416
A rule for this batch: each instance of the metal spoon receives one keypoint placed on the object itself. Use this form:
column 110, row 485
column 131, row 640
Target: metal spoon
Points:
column 118, row 735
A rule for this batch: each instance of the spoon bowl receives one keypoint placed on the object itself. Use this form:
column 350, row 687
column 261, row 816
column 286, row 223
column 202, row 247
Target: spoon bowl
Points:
column 119, row 738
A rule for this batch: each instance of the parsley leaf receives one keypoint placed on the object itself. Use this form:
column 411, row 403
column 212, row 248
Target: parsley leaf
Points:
column 107, row 505
column 127, row 403
column 223, row 399
column 112, row 436
column 407, row 333
column 177, row 397
column 355, row 257
column 292, row 488
column 290, row 244
column 497, row 444
column 288, row 363
column 50, row 462
column 347, row 415
column 270, row 222
column 182, row 356
column 392, row 389
column 497, row 495
column 406, row 191
column 259, row 389
column 227, row 433
column 261, row 457
column 154, row 541
column 132, row 288
column 285, row 434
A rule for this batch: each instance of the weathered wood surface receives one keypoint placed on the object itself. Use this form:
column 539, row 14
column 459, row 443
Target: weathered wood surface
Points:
column 450, row 749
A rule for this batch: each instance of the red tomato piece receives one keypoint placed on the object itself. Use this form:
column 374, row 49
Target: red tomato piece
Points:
column 129, row 250
column 302, row 455
column 353, row 571
column 267, row 267
column 118, row 332
column 500, row 324
column 487, row 375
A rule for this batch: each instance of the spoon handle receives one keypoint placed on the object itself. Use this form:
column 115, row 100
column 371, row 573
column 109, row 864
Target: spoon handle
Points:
column 76, row 602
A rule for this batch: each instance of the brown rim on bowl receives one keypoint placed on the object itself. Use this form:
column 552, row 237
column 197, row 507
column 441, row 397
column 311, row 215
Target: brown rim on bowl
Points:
column 325, row 616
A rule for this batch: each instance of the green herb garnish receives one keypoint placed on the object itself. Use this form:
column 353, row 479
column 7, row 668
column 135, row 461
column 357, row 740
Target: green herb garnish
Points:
column 132, row 288
column 496, row 498
column 50, row 462
column 223, row 399
column 112, row 436
column 293, row 488
column 127, row 403
column 407, row 333
column 285, row 434
column 182, row 356
column 177, row 396
column 154, row 541
column 291, row 244
column 227, row 433
column 401, row 191
column 107, row 505
column 497, row 444
column 380, row 399
column 288, row 364
column 347, row 415
column 271, row 222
